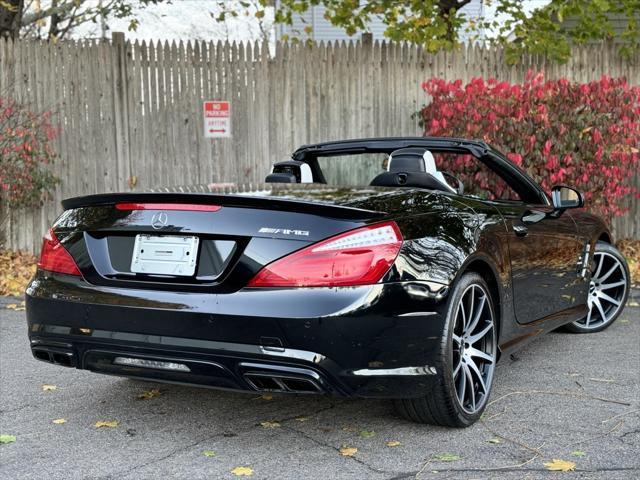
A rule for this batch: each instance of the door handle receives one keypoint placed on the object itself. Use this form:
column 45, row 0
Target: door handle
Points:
column 520, row 230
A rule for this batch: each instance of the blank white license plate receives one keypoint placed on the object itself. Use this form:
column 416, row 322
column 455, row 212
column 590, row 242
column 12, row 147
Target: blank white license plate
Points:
column 165, row 255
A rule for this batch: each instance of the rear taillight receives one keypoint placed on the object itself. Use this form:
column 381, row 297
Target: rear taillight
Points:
column 55, row 258
column 358, row 257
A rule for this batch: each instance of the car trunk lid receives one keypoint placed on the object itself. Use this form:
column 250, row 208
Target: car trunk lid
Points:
column 200, row 240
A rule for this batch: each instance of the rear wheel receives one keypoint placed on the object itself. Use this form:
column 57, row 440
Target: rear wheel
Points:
column 466, row 362
column 608, row 290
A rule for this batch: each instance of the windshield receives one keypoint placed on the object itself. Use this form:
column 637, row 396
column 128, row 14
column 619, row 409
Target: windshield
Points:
column 352, row 170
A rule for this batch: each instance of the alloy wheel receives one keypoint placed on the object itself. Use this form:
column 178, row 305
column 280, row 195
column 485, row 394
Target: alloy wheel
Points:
column 607, row 291
column 474, row 348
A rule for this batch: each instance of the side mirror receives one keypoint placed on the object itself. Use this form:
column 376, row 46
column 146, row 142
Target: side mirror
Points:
column 564, row 197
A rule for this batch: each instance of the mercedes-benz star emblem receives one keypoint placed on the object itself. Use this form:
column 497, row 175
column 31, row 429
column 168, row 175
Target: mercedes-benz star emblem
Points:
column 159, row 220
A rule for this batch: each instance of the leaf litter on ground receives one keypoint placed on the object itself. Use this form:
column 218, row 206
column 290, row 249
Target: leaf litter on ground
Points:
column 270, row 424
column 149, row 394
column 6, row 438
column 16, row 270
column 446, row 457
column 557, row 465
column 348, row 451
column 242, row 471
column 106, row 423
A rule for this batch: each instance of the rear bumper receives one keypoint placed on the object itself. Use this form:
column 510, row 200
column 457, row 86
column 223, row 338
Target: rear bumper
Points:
column 371, row 341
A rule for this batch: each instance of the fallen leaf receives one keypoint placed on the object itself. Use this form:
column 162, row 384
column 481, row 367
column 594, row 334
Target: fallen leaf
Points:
column 446, row 457
column 242, row 471
column 558, row 465
column 348, row 451
column 270, row 424
column 302, row 419
column 578, row 453
column 367, row 434
column 624, row 321
column 349, row 428
column 264, row 397
column 11, row 306
column 633, row 303
column 393, row 443
column 4, row 438
column 59, row 421
column 209, row 453
column 107, row 423
column 148, row 394
column 49, row 388
column 494, row 440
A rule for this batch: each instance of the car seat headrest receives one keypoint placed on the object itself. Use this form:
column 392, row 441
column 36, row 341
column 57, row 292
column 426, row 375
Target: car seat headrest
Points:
column 408, row 160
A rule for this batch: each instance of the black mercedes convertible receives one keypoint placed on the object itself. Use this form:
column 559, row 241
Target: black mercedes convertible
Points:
column 399, row 268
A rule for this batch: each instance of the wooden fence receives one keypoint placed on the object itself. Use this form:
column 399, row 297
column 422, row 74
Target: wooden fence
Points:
column 131, row 113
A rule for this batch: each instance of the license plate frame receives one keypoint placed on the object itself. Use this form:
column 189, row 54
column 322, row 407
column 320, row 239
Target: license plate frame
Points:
column 172, row 255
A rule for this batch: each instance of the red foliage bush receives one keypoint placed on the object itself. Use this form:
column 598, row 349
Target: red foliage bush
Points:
column 25, row 151
column 560, row 132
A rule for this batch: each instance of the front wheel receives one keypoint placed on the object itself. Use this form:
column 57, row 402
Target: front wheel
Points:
column 608, row 290
column 466, row 360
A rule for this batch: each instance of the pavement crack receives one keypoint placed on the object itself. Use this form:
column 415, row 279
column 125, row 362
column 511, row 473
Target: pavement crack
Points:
column 175, row 451
column 191, row 445
column 336, row 449
column 630, row 432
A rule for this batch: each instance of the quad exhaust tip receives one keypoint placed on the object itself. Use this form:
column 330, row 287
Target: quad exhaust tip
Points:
column 57, row 357
column 281, row 383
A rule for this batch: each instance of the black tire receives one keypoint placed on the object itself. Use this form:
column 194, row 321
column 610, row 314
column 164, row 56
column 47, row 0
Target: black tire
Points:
column 442, row 406
column 619, row 294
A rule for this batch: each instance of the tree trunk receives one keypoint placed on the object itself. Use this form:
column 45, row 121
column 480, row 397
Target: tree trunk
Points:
column 445, row 13
column 11, row 18
column 54, row 31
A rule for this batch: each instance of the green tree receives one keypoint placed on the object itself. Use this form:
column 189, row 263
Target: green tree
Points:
column 56, row 18
column 437, row 24
column 546, row 31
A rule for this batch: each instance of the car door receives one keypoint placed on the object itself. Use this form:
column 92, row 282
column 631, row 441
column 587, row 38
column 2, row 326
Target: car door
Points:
column 546, row 259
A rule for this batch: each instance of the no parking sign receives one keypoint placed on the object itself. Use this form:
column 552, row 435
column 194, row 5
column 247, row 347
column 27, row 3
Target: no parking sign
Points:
column 217, row 119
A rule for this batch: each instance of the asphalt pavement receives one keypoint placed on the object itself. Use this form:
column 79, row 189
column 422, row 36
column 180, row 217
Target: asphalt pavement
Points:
column 565, row 396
